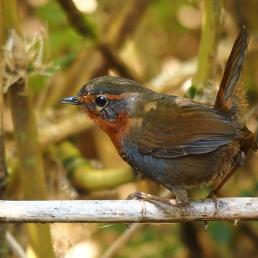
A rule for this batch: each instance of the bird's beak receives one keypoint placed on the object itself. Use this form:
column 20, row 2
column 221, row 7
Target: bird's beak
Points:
column 71, row 100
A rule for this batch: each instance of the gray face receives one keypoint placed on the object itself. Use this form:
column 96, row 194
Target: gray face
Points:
column 105, row 107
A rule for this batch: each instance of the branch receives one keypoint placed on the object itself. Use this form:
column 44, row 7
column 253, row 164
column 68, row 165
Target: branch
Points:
column 79, row 21
column 118, row 244
column 92, row 211
column 86, row 29
column 120, row 27
column 15, row 246
column 208, row 45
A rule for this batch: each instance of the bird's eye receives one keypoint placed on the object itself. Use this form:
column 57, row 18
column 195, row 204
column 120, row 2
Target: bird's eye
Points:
column 101, row 101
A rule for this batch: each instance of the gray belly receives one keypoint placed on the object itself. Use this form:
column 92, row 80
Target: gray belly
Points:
column 185, row 172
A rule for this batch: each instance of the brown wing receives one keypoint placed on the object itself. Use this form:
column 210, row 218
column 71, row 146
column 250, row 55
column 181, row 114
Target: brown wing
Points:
column 179, row 127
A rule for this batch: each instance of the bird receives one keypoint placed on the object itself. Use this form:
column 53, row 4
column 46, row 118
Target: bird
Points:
column 177, row 142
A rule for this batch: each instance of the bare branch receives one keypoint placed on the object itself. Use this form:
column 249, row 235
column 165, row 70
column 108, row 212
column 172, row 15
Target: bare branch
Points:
column 118, row 211
column 86, row 29
column 79, row 21
column 121, row 241
column 15, row 246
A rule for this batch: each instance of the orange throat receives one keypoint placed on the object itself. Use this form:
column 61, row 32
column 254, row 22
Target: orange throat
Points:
column 116, row 129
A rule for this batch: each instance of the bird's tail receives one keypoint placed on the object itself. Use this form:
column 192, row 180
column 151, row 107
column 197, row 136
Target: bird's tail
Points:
column 231, row 97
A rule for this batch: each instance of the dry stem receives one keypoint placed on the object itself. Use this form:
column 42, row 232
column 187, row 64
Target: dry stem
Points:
column 124, row 211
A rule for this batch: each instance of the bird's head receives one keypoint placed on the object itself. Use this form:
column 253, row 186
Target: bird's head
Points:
column 110, row 102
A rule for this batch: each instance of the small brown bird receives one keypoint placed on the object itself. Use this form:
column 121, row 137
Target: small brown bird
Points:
column 179, row 143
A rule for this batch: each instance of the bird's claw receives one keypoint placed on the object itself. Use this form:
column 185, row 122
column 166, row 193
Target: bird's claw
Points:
column 153, row 198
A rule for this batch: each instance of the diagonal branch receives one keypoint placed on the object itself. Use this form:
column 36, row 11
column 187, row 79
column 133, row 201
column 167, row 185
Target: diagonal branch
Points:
column 86, row 29
column 124, row 211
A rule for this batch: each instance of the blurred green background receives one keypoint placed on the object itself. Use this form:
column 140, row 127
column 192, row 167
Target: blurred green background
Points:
column 176, row 47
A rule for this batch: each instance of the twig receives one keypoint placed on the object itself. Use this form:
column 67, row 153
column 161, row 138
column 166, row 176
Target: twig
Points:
column 127, row 22
column 116, row 62
column 85, row 29
column 91, row 211
column 89, row 64
column 121, row 241
column 77, row 19
column 15, row 246
column 128, row 234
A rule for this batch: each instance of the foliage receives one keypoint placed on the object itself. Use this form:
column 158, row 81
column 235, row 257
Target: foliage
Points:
column 79, row 160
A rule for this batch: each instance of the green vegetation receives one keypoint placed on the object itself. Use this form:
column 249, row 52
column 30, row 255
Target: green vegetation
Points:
column 54, row 152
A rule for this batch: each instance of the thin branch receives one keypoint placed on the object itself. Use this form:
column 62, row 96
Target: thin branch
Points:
column 86, row 29
column 82, row 25
column 124, row 211
column 15, row 246
column 117, row 245
column 116, row 62
column 127, row 21
column 122, row 241
column 89, row 64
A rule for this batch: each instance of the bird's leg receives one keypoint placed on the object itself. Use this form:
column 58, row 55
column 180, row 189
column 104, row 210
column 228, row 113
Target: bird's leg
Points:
column 238, row 163
column 212, row 194
column 181, row 198
column 147, row 197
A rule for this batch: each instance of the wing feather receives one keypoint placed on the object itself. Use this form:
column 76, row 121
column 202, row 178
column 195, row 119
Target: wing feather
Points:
column 189, row 128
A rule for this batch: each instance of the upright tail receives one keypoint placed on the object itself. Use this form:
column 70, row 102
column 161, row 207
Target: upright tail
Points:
column 231, row 97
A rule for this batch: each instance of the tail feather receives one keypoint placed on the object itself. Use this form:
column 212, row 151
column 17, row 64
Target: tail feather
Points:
column 231, row 97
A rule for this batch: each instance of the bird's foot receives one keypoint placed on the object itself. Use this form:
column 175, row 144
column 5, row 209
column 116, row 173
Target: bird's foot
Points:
column 213, row 196
column 181, row 197
column 152, row 198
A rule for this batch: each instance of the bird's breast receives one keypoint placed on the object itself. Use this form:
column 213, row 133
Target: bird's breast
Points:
column 116, row 129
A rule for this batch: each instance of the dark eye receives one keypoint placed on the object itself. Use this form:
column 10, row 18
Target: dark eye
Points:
column 101, row 101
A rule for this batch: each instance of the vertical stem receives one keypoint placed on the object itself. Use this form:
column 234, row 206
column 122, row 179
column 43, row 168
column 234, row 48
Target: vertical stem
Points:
column 28, row 151
column 31, row 164
column 3, row 170
column 2, row 151
column 208, row 45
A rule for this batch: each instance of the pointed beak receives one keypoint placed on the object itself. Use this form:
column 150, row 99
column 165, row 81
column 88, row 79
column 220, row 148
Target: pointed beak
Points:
column 70, row 100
